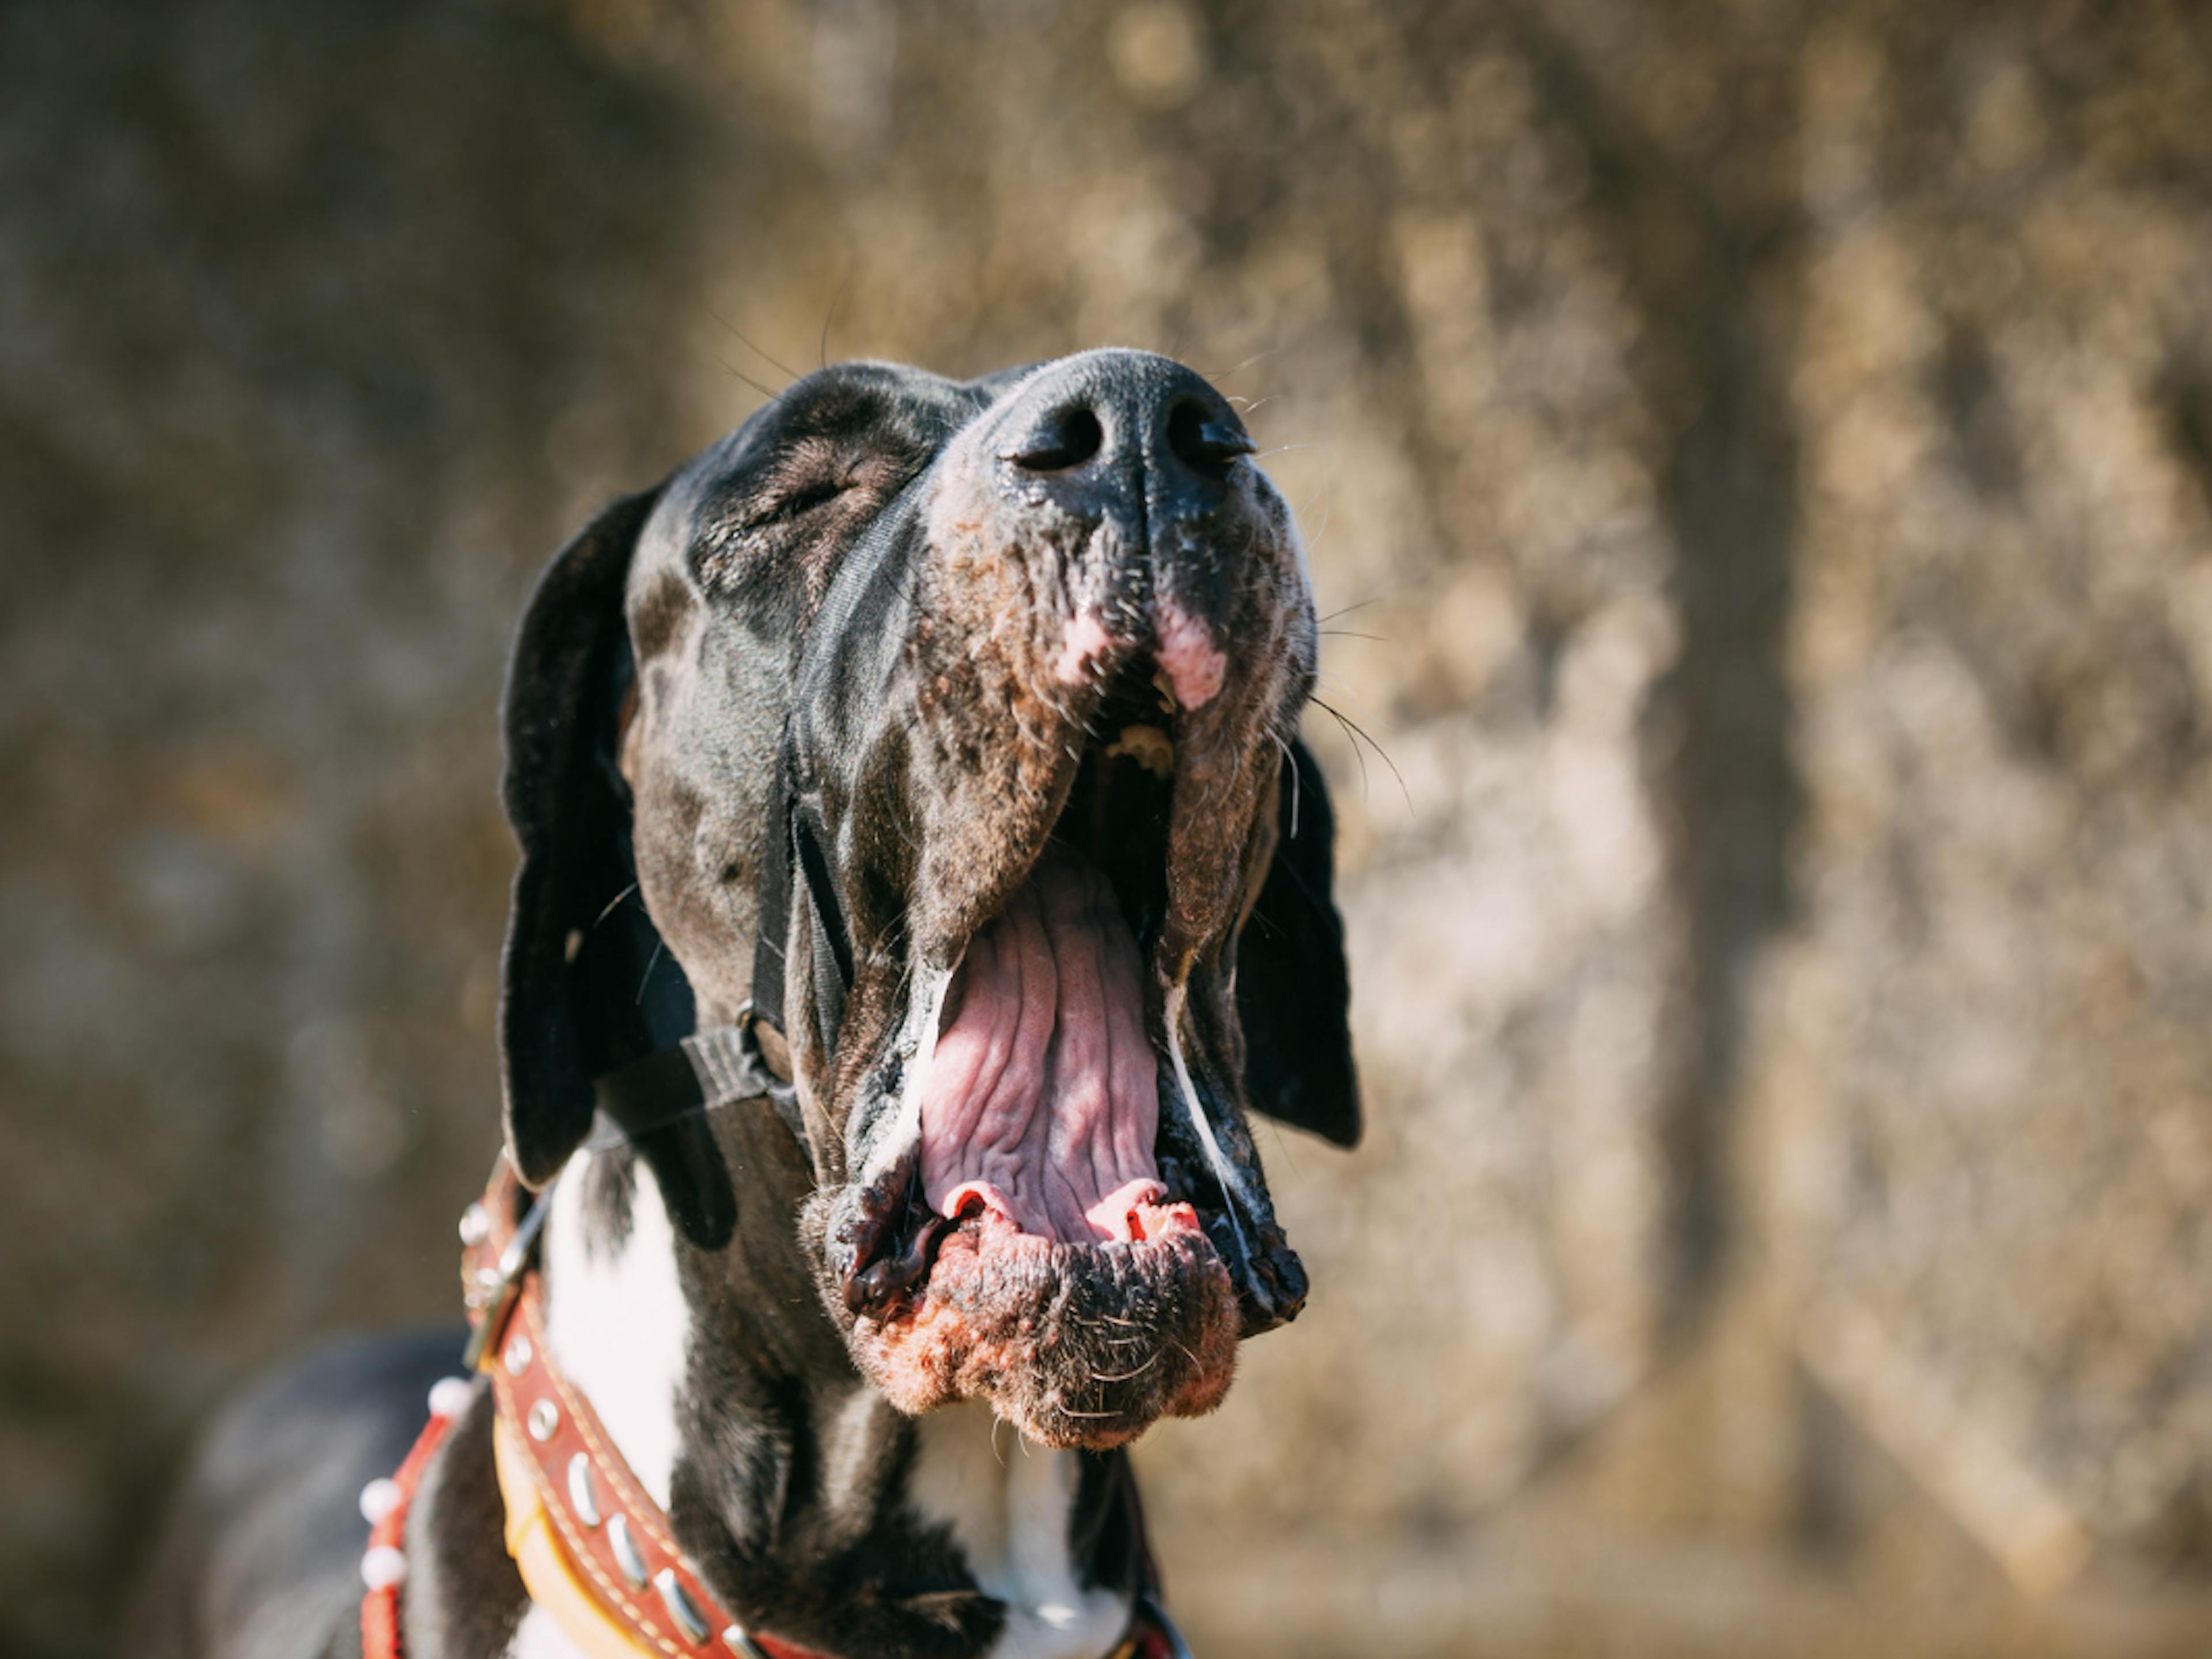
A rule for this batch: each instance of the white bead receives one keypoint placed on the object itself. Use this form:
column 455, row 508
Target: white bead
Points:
column 383, row 1567
column 451, row 1396
column 378, row 1499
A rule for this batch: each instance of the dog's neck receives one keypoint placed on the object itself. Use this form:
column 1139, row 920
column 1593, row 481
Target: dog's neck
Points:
column 702, row 1397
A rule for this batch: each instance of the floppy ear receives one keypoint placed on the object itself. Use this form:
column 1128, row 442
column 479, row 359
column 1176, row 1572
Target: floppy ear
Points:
column 585, row 984
column 1293, row 989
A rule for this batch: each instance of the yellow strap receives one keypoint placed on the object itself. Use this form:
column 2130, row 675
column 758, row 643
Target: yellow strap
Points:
column 547, row 1572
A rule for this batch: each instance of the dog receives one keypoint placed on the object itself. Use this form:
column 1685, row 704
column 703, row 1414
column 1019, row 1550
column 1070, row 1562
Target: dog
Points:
column 921, row 876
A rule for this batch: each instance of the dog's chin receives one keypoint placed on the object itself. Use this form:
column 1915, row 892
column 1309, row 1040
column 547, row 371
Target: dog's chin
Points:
column 1076, row 1345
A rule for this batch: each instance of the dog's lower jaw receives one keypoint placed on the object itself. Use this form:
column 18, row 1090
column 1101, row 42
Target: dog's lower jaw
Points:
column 1074, row 1346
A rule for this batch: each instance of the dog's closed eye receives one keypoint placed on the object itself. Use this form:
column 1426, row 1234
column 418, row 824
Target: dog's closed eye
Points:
column 806, row 479
column 813, row 471
column 804, row 496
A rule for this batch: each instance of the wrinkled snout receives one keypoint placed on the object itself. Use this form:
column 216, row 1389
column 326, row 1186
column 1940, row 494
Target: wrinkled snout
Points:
column 1103, row 560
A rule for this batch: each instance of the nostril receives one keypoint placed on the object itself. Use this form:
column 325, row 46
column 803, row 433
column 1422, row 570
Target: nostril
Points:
column 1066, row 437
column 1205, row 440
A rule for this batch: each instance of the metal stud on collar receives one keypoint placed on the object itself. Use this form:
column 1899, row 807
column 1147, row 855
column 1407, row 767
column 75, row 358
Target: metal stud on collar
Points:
column 450, row 1396
column 383, row 1567
column 379, row 1498
column 742, row 1645
column 544, row 1421
column 583, row 1490
column 681, row 1607
column 628, row 1556
column 491, row 1291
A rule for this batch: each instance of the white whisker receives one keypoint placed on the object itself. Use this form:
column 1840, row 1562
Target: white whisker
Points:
column 925, row 1011
column 1177, row 1000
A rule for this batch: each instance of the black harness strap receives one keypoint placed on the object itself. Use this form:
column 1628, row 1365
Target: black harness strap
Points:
column 706, row 1070
column 714, row 1068
column 790, row 842
column 772, row 918
column 832, row 952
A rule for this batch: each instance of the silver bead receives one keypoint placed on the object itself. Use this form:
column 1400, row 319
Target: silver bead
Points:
column 681, row 1607
column 517, row 1355
column 627, row 1555
column 383, row 1567
column 583, row 1491
column 379, row 1498
column 544, row 1420
column 450, row 1396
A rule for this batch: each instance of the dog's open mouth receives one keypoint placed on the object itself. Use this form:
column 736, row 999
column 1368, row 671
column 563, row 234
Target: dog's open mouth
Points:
column 1042, row 1243
column 1042, row 1103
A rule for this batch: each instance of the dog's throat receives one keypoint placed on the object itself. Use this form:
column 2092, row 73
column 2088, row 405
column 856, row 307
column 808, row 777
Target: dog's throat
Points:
column 1042, row 1099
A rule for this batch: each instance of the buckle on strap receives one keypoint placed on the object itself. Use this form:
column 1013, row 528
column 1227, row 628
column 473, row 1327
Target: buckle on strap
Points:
column 489, row 1293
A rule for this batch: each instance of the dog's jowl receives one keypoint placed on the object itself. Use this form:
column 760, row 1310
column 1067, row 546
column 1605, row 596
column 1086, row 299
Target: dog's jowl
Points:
column 921, row 876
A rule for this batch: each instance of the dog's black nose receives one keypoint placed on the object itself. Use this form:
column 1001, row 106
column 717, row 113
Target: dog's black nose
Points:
column 1117, row 433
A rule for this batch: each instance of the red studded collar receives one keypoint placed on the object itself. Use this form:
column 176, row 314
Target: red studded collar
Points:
column 593, row 1546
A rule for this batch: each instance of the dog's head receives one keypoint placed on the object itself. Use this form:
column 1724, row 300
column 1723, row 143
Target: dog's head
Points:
column 1029, row 654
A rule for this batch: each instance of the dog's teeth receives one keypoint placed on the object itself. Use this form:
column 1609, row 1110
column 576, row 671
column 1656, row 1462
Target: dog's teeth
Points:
column 1165, row 687
column 1147, row 745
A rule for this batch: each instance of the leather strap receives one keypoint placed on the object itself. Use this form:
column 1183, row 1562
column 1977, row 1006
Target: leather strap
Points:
column 594, row 1548
column 382, row 1568
column 772, row 917
column 791, row 843
column 707, row 1069
column 591, row 1545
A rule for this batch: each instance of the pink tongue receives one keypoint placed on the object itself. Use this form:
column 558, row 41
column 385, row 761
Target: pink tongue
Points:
column 1043, row 1100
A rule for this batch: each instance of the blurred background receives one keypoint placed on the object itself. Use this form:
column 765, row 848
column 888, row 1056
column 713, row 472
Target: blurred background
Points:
column 1759, row 465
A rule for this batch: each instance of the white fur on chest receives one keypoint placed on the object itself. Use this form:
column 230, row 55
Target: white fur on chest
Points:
column 1008, row 1505
column 618, row 1321
column 617, row 1325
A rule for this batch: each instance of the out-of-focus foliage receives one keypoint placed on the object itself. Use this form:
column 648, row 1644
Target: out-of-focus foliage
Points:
column 1758, row 462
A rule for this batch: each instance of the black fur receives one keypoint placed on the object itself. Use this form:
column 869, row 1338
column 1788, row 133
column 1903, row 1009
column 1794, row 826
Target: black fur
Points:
column 779, row 585
column 567, row 1015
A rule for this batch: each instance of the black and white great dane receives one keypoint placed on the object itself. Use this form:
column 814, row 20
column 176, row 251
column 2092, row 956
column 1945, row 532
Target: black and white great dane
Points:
column 1019, row 662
